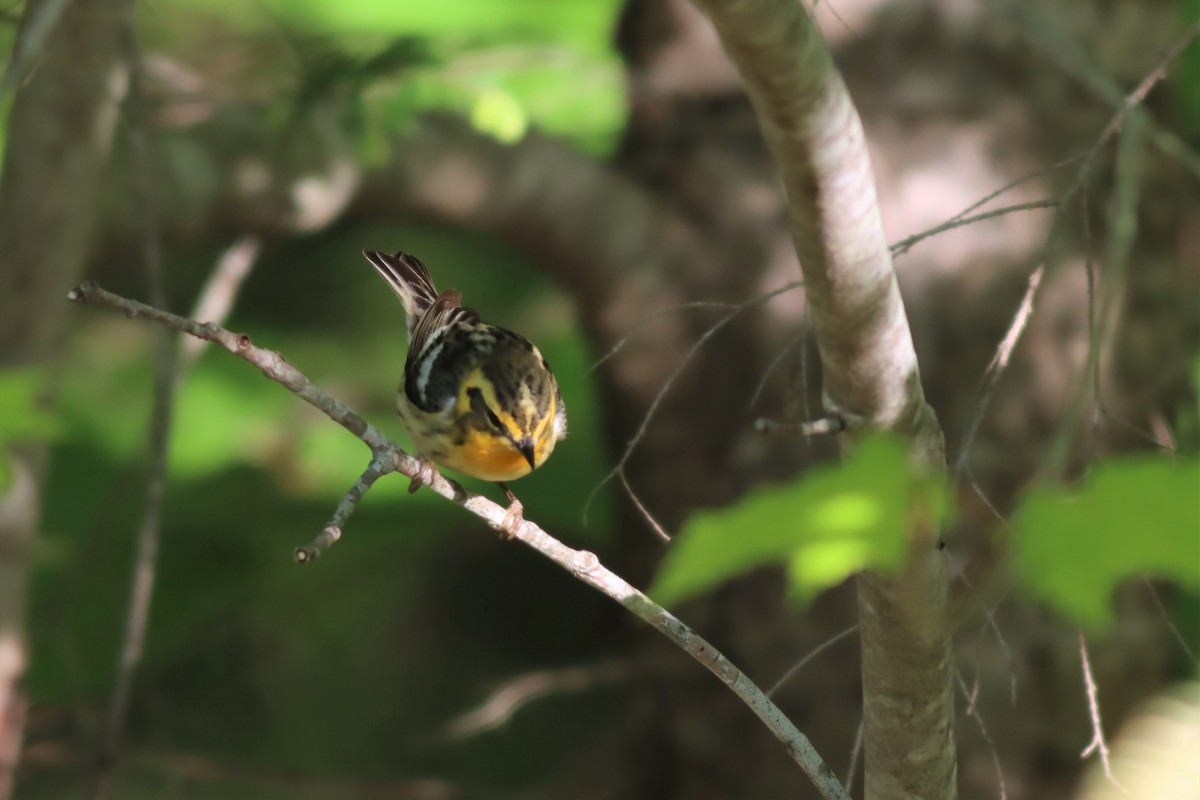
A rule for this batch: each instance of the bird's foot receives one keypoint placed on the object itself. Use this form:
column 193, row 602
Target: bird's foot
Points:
column 424, row 475
column 514, row 517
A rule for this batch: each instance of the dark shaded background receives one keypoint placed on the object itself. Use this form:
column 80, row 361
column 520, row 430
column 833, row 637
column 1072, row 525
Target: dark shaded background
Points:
column 576, row 169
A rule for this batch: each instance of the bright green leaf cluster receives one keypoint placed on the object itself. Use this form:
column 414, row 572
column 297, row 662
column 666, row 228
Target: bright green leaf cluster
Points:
column 1136, row 516
column 23, row 416
column 835, row 521
column 499, row 114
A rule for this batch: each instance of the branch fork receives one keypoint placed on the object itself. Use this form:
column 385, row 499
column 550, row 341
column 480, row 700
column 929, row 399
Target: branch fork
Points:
column 387, row 457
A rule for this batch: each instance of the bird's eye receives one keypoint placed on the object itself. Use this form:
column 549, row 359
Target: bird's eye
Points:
column 478, row 404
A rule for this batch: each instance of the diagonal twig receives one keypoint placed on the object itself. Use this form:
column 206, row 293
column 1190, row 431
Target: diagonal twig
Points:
column 1098, row 743
column 582, row 564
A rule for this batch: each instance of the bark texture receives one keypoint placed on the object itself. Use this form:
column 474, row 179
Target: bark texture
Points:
column 870, row 371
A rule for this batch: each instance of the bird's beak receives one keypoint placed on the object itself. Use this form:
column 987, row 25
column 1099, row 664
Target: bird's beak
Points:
column 525, row 446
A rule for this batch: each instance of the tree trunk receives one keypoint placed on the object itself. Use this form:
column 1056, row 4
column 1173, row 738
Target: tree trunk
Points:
column 59, row 136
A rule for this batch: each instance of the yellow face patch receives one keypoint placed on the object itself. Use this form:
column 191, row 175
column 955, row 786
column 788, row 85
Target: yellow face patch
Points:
column 488, row 457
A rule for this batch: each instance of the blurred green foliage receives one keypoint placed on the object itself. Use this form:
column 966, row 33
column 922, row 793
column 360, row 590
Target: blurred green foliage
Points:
column 833, row 522
column 351, row 665
column 1138, row 515
column 1185, row 74
column 505, row 64
column 24, row 415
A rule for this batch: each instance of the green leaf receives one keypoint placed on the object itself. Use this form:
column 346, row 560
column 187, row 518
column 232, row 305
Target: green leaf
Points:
column 832, row 523
column 499, row 114
column 1137, row 516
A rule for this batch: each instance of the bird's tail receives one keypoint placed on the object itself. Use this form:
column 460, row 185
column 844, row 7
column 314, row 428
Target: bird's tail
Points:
column 409, row 279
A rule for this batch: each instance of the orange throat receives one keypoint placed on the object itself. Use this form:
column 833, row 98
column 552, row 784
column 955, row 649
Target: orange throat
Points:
column 488, row 457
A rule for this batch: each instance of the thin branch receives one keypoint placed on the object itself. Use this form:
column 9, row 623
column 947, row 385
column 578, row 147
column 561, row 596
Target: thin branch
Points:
column 1085, row 227
column 502, row 705
column 380, row 465
column 639, row 434
column 1191, row 654
column 1122, row 225
column 1127, row 105
column 1158, row 73
column 1062, row 50
column 219, row 292
column 270, row 363
column 629, row 334
column 798, row 339
column 855, row 755
column 973, row 712
column 816, row 651
column 904, row 245
column 582, row 564
column 150, row 525
column 826, row 426
column 1098, row 744
column 999, row 363
column 645, row 512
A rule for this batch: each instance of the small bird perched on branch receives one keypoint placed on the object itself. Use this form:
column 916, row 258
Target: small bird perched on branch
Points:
column 476, row 398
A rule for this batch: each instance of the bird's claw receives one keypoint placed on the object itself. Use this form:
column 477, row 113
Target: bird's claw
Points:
column 423, row 476
column 514, row 518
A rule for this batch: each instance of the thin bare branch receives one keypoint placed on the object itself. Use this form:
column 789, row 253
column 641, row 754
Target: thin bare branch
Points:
column 1126, row 105
column 1060, row 48
column 713, row 330
column 502, row 705
column 219, row 292
column 855, row 755
column 1080, row 406
column 997, row 366
column 150, row 525
column 1098, row 743
column 582, row 564
column 783, row 353
column 1158, row 73
column 904, row 245
column 816, row 651
column 645, row 512
column 624, row 340
column 1167, row 619
column 380, row 465
column 826, row 426
column 973, row 712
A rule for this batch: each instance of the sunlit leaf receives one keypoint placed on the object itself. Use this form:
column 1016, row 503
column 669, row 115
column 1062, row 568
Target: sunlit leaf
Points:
column 832, row 523
column 1136, row 516
column 499, row 114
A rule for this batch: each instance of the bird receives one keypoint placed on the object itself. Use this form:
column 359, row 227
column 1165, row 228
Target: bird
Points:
column 476, row 398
